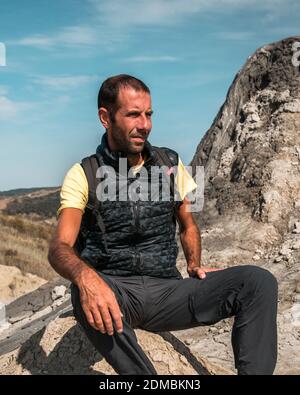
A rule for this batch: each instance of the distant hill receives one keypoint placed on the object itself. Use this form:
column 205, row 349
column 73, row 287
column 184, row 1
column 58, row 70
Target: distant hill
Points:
column 43, row 202
column 45, row 206
column 24, row 191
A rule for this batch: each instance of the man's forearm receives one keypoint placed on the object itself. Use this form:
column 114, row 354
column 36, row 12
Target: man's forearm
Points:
column 191, row 243
column 65, row 262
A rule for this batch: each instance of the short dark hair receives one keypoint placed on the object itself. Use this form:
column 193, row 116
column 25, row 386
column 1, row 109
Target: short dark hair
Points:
column 109, row 90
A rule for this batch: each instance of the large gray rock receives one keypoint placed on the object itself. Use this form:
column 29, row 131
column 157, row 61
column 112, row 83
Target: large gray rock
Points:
column 251, row 157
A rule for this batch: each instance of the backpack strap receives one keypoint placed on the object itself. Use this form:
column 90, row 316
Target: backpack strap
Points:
column 164, row 160
column 90, row 166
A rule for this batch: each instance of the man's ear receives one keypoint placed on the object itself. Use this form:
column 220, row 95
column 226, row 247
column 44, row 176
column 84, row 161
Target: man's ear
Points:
column 104, row 117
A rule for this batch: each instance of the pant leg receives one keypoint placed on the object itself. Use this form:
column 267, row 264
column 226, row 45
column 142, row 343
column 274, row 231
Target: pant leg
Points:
column 121, row 351
column 254, row 334
column 247, row 292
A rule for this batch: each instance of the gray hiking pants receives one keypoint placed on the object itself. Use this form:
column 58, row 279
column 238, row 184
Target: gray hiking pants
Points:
column 154, row 304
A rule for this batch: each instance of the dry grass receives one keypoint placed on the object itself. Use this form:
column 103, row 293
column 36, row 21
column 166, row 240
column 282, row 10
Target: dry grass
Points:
column 24, row 244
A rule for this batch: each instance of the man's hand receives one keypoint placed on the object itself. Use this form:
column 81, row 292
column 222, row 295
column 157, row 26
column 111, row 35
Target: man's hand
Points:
column 200, row 272
column 99, row 303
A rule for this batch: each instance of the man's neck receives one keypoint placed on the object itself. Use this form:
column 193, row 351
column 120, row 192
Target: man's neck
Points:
column 135, row 159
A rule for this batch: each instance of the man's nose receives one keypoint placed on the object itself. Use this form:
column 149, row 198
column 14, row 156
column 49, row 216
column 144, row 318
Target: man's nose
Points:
column 144, row 122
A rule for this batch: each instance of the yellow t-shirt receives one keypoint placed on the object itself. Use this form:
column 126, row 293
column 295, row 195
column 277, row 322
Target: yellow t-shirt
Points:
column 74, row 191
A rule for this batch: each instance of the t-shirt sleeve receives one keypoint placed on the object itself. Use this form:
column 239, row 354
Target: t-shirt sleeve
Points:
column 74, row 190
column 184, row 181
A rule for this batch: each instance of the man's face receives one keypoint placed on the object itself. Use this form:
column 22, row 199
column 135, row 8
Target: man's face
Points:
column 132, row 124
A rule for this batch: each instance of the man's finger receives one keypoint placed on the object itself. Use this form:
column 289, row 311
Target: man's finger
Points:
column 99, row 325
column 201, row 274
column 107, row 320
column 89, row 317
column 116, row 315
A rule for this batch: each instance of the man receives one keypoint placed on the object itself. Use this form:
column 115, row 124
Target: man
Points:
column 125, row 277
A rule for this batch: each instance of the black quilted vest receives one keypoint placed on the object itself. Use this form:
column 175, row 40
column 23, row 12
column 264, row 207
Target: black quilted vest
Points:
column 137, row 237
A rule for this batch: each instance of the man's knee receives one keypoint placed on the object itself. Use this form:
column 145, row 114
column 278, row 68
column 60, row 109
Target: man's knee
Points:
column 260, row 281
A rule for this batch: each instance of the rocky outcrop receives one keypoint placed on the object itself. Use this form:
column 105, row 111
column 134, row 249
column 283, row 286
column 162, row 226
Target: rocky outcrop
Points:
column 251, row 155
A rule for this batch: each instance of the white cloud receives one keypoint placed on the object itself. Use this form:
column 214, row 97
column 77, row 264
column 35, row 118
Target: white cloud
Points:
column 37, row 40
column 11, row 110
column 64, row 82
column 3, row 90
column 234, row 36
column 285, row 30
column 144, row 12
column 72, row 36
column 151, row 59
column 163, row 13
column 112, row 22
column 198, row 79
column 77, row 35
column 29, row 112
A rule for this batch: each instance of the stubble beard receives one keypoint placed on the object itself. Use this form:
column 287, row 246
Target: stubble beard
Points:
column 130, row 148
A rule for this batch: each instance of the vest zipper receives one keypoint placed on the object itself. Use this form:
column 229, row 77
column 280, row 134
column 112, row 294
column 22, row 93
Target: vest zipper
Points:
column 136, row 210
column 136, row 213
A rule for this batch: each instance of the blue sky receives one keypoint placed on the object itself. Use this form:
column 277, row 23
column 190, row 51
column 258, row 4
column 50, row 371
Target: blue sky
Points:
column 58, row 53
